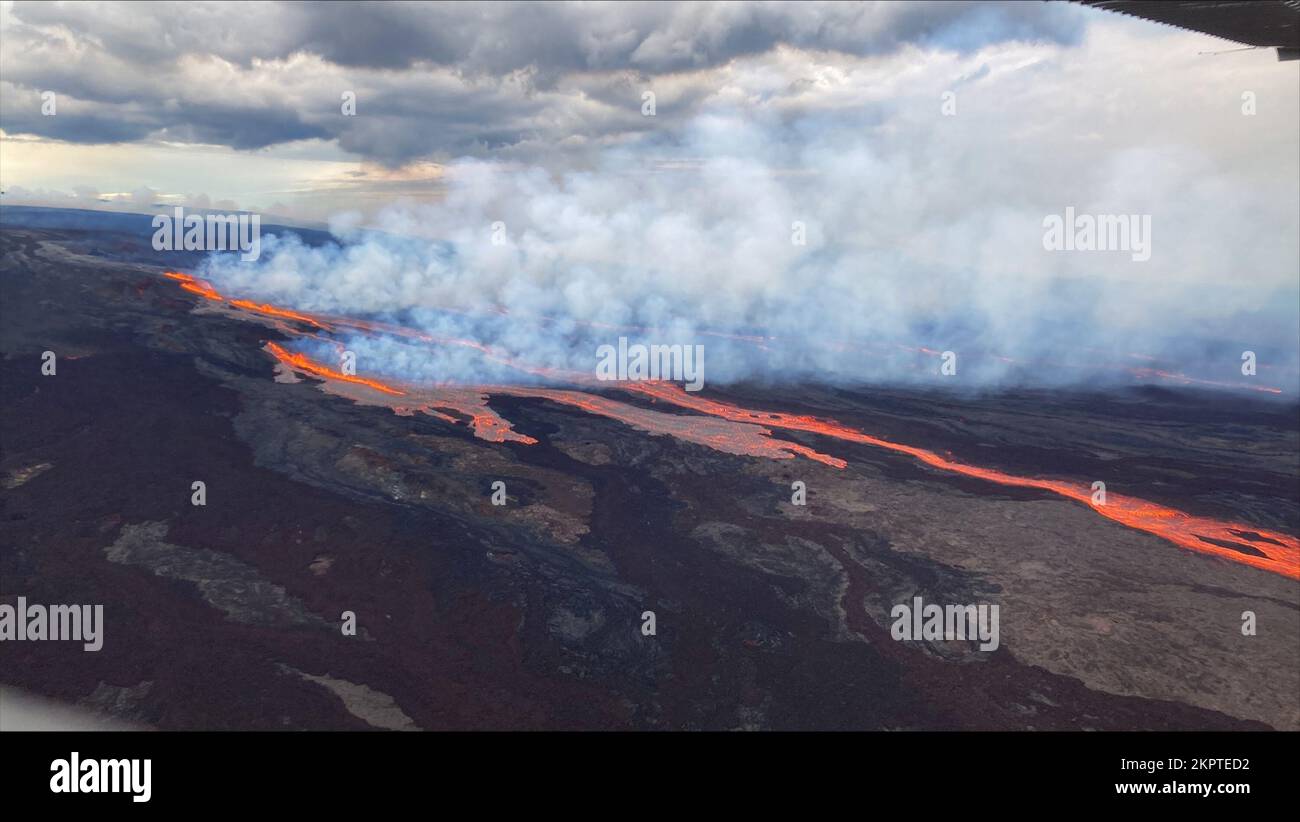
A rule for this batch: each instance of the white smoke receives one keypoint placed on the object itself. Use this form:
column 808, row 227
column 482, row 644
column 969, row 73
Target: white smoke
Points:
column 919, row 232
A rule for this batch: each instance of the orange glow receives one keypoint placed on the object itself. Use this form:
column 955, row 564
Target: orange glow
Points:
column 300, row 362
column 749, row 433
column 742, row 439
column 1281, row 552
column 272, row 311
column 204, row 289
column 467, row 402
column 1147, row 373
column 194, row 286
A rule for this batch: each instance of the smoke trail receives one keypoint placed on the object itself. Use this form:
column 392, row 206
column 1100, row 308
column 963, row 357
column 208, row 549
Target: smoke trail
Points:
column 836, row 256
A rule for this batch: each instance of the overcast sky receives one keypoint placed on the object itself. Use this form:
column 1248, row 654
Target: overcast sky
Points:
column 241, row 104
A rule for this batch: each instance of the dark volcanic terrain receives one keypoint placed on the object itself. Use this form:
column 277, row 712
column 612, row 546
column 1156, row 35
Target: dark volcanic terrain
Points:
column 529, row 615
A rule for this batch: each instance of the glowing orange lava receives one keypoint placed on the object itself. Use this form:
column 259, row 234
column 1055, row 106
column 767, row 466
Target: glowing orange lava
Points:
column 195, row 286
column 303, row 363
column 272, row 311
column 743, row 439
column 748, row 432
column 470, row 403
column 1147, row 373
column 204, row 289
column 1280, row 552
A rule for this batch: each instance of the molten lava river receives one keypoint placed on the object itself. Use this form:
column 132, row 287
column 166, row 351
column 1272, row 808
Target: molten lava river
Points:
column 712, row 423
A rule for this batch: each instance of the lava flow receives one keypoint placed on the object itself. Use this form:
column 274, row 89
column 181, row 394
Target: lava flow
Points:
column 1148, row 373
column 1270, row 550
column 748, row 432
column 301, row 362
column 195, row 286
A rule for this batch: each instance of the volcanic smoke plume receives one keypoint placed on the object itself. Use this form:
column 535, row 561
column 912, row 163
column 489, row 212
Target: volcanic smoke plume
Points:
column 767, row 252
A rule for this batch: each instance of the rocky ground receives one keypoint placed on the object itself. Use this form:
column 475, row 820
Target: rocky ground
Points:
column 529, row 615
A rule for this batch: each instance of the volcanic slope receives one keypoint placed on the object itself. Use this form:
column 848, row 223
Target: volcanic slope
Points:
column 321, row 500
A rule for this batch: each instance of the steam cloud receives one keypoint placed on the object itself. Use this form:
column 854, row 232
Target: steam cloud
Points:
column 908, row 244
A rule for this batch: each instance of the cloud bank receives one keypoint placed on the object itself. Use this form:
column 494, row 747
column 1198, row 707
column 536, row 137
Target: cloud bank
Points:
column 433, row 80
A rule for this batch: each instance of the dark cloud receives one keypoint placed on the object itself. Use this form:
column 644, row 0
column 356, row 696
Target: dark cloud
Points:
column 99, row 126
column 435, row 79
column 78, row 121
column 503, row 37
column 237, row 127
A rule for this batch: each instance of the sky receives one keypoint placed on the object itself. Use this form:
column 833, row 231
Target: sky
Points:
column 241, row 104
column 919, row 145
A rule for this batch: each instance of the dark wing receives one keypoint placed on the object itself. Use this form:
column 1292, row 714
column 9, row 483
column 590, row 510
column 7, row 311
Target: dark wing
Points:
column 1263, row 23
